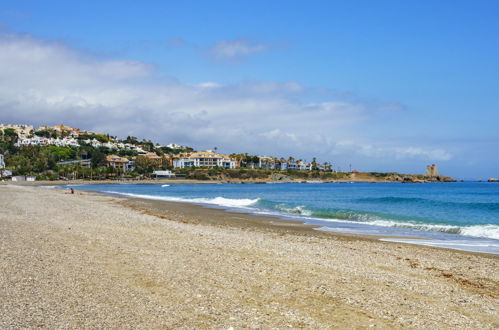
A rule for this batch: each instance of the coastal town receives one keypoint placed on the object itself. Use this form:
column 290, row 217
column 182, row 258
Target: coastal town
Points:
column 86, row 150
column 62, row 152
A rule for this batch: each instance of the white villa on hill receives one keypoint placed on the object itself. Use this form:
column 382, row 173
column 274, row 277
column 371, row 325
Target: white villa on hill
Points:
column 43, row 141
column 174, row 146
column 206, row 159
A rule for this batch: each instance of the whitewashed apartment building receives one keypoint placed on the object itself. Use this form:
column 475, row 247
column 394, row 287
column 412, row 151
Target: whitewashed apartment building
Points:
column 205, row 159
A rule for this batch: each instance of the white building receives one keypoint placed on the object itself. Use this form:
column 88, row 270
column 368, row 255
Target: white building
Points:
column 206, row 159
column 2, row 162
column 94, row 143
column 267, row 163
column 34, row 141
column 163, row 174
column 174, row 146
column 43, row 141
column 65, row 142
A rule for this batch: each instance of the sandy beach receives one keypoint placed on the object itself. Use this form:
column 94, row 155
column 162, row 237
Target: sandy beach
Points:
column 93, row 261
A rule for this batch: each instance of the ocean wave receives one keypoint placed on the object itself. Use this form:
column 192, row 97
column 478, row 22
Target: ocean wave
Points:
column 484, row 231
column 489, row 231
column 219, row 201
column 295, row 210
column 334, row 215
column 262, row 206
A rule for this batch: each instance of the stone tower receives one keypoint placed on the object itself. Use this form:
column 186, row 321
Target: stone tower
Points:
column 432, row 170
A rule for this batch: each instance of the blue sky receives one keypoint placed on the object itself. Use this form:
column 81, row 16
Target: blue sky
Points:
column 384, row 85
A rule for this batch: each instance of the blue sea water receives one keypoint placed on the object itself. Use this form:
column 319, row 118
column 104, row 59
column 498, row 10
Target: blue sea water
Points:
column 462, row 215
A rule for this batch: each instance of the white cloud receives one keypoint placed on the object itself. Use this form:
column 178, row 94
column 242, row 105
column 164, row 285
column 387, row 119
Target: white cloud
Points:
column 389, row 151
column 50, row 83
column 235, row 49
column 209, row 84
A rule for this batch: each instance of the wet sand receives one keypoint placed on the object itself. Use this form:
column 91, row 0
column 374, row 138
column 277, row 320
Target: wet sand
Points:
column 89, row 260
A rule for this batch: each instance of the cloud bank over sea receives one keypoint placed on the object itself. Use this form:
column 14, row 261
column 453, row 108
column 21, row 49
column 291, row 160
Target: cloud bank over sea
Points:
column 50, row 82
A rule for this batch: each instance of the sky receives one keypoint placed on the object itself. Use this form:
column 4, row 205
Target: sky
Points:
column 375, row 85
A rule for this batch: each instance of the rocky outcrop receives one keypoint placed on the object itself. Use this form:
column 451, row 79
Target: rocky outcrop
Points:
column 279, row 177
column 444, row 178
column 493, row 180
column 409, row 179
column 394, row 178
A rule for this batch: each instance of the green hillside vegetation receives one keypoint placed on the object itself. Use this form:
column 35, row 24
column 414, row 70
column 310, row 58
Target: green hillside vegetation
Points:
column 44, row 162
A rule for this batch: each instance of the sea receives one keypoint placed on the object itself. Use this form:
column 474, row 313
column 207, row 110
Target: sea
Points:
column 457, row 215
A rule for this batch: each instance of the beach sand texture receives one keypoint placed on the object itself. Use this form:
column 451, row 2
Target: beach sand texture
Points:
column 94, row 261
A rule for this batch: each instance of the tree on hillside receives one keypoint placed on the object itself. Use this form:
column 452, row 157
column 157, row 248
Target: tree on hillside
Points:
column 98, row 137
column 98, row 159
column 314, row 163
column 143, row 165
column 8, row 137
column 131, row 140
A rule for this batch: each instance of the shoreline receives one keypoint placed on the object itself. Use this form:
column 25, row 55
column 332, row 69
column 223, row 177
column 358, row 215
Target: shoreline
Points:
column 222, row 217
column 393, row 238
column 95, row 260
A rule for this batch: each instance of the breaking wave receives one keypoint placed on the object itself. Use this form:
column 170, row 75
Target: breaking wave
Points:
column 484, row 231
column 333, row 215
column 219, row 201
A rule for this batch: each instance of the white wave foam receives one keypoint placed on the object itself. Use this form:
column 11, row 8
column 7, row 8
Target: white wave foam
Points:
column 296, row 210
column 165, row 185
column 482, row 231
column 244, row 202
column 219, row 201
column 488, row 231
column 419, row 226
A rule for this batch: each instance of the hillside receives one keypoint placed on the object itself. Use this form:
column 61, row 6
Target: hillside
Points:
column 66, row 153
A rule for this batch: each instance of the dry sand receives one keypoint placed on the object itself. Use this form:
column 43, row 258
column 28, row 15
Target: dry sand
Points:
column 94, row 261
